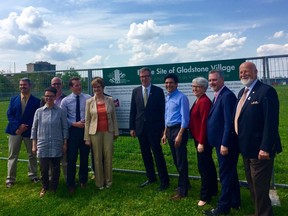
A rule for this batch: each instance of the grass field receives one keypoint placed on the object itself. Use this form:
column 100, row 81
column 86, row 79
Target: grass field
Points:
column 125, row 198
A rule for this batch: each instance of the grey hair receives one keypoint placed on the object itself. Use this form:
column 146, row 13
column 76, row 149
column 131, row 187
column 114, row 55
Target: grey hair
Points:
column 201, row 81
column 26, row 79
column 220, row 72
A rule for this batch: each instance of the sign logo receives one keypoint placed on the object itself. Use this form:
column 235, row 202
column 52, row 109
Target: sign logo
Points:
column 117, row 77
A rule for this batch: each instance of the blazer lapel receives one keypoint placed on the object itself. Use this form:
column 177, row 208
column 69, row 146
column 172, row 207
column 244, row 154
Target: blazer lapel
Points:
column 217, row 101
column 250, row 97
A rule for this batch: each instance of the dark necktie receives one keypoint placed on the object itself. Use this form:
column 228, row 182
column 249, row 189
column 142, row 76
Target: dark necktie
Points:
column 78, row 108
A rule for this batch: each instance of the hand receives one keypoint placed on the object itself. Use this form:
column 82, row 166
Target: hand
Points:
column 224, row 150
column 88, row 142
column 21, row 129
column 200, row 148
column 132, row 133
column 178, row 141
column 79, row 124
column 163, row 139
column 263, row 155
column 34, row 150
column 65, row 147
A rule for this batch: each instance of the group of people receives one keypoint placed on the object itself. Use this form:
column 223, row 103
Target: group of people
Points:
column 56, row 131
column 65, row 125
column 247, row 124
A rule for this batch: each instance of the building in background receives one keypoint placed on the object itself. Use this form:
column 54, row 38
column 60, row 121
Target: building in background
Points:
column 40, row 66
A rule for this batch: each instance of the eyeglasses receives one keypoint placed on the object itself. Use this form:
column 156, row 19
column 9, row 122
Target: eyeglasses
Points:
column 196, row 86
column 53, row 84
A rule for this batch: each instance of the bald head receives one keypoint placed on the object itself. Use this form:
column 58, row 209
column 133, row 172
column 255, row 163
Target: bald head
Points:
column 56, row 82
column 247, row 73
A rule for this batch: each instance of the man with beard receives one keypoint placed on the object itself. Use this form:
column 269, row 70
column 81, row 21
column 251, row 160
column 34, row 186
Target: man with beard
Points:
column 256, row 123
column 20, row 116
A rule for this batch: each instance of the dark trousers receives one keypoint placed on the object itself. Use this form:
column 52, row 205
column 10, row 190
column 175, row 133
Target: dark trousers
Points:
column 150, row 140
column 75, row 143
column 44, row 167
column 230, row 188
column 180, row 158
column 258, row 175
column 207, row 171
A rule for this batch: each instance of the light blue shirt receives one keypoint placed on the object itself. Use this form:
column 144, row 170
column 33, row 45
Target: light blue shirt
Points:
column 50, row 129
column 176, row 109
column 69, row 105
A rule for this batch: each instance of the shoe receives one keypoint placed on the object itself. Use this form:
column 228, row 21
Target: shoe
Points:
column 177, row 197
column 35, row 180
column 101, row 188
column 71, row 190
column 201, row 203
column 146, row 183
column 9, row 184
column 237, row 208
column 215, row 212
column 42, row 192
column 107, row 186
column 83, row 185
column 163, row 187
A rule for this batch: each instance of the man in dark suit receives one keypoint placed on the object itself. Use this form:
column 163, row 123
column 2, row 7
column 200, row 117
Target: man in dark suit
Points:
column 147, row 123
column 20, row 116
column 221, row 135
column 256, row 123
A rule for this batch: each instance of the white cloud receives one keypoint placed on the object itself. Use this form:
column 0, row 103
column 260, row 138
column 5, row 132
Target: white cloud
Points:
column 149, row 50
column 272, row 49
column 96, row 60
column 146, row 31
column 62, row 51
column 29, row 19
column 22, row 32
column 279, row 34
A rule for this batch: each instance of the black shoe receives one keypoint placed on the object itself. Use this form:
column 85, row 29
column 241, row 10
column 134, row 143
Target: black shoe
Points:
column 163, row 187
column 215, row 212
column 146, row 183
column 9, row 184
column 35, row 180
column 237, row 208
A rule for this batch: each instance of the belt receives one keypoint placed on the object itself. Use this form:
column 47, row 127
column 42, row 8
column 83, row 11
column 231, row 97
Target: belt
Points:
column 174, row 126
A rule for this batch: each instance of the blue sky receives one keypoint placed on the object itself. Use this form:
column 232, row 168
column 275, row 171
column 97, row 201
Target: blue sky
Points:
column 113, row 33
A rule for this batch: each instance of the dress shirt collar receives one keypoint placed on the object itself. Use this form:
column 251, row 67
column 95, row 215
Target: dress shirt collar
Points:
column 25, row 96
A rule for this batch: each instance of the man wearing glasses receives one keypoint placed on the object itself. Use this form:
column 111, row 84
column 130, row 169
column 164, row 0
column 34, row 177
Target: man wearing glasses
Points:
column 56, row 82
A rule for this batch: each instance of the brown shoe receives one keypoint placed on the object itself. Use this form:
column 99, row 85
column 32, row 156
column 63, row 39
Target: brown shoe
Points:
column 177, row 197
column 42, row 192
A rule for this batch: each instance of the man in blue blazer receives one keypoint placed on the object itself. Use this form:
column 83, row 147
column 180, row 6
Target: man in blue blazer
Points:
column 221, row 135
column 20, row 116
column 147, row 123
column 256, row 124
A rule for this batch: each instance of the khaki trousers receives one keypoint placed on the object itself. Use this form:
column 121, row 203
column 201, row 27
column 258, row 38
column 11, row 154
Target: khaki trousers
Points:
column 14, row 149
column 102, row 144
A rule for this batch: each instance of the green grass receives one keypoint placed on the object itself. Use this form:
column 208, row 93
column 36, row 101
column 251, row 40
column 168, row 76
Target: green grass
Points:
column 125, row 198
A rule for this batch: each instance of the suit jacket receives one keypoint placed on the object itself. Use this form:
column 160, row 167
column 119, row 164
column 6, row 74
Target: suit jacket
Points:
column 152, row 115
column 198, row 119
column 258, row 122
column 15, row 117
column 91, row 117
column 220, row 128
